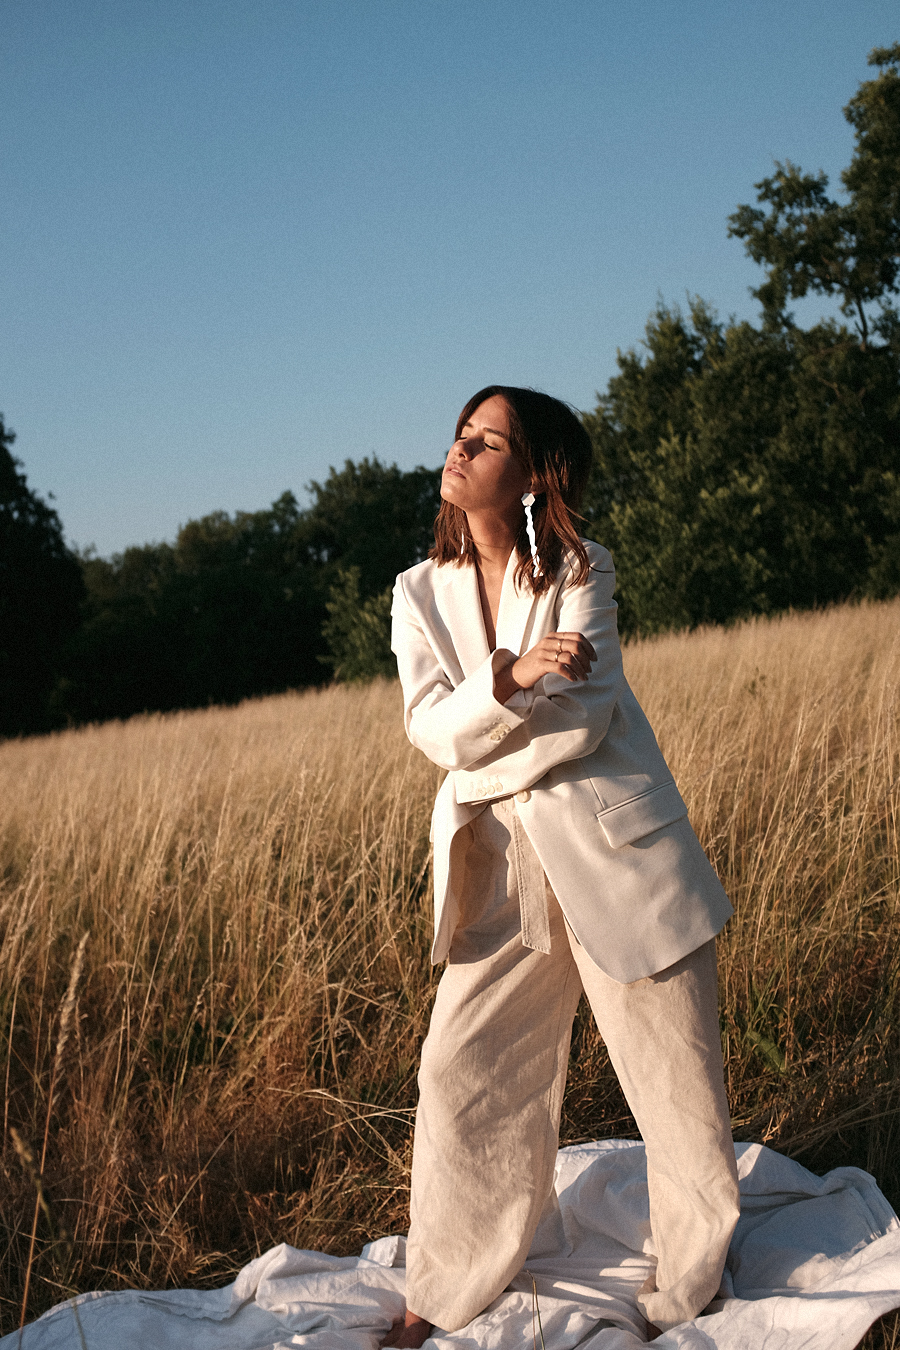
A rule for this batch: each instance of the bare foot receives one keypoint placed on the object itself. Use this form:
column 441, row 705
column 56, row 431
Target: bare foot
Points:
column 407, row 1333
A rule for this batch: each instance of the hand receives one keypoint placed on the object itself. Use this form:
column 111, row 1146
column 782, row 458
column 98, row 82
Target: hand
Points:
column 567, row 654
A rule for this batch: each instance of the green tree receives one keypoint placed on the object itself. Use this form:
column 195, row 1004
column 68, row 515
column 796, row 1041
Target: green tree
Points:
column 808, row 241
column 372, row 516
column 232, row 609
column 239, row 605
column 368, row 522
column 358, row 631
column 741, row 471
column 40, row 594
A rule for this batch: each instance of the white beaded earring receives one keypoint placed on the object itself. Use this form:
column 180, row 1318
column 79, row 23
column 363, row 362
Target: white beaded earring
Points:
column 528, row 503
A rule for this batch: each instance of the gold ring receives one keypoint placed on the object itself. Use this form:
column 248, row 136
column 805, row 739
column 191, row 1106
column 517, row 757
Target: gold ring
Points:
column 558, row 646
column 556, row 657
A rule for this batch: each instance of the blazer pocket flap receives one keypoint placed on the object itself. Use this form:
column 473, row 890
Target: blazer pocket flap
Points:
column 631, row 820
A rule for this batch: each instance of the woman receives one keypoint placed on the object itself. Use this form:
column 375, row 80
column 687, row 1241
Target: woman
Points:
column 563, row 862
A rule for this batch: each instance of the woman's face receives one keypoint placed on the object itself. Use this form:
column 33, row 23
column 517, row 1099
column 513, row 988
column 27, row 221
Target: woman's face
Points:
column 481, row 473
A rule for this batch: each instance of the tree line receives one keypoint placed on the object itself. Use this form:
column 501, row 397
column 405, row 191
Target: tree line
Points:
column 739, row 469
column 237, row 606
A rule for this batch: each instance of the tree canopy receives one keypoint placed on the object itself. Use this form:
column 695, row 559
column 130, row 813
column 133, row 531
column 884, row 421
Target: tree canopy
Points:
column 809, row 241
column 739, row 469
column 248, row 604
column 743, row 470
column 40, row 594
column 370, row 515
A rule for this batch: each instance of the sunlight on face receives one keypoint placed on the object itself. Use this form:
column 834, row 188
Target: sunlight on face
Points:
column 482, row 475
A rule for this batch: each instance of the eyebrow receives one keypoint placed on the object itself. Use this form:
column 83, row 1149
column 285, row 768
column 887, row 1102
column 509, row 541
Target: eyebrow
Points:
column 492, row 431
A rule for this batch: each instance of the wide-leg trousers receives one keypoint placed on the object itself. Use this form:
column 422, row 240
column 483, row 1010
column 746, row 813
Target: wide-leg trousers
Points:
column 491, row 1084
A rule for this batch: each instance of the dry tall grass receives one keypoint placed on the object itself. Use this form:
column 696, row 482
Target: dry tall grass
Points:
column 241, row 1055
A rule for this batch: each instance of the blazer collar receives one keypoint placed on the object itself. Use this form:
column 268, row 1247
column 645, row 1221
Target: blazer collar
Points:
column 461, row 607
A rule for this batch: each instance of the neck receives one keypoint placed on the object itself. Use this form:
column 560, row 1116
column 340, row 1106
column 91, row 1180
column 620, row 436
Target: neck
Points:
column 493, row 536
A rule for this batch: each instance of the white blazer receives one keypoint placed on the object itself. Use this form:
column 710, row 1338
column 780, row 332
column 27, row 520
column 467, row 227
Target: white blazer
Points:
column 594, row 794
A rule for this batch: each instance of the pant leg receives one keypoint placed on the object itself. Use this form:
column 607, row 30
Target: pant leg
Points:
column 491, row 1084
column 662, row 1034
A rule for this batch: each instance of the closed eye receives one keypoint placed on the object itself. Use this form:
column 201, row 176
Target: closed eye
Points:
column 486, row 444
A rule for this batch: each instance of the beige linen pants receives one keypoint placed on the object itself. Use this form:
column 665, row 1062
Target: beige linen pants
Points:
column 491, row 1084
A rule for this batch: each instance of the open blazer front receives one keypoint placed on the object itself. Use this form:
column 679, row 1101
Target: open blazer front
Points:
column 593, row 792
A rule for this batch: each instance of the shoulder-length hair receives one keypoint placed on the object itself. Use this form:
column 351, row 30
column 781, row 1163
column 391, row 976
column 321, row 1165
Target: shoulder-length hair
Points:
column 554, row 449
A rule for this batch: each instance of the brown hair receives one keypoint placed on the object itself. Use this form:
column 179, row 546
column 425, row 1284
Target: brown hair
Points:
column 551, row 444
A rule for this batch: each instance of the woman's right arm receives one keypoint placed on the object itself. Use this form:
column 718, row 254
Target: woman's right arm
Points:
column 454, row 725
column 477, row 722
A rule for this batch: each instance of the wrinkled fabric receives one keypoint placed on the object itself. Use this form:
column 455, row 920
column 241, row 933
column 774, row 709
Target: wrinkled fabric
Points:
column 598, row 800
column 491, row 1086
column 813, row 1262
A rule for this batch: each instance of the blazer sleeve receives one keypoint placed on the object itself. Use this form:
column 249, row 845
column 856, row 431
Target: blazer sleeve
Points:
column 454, row 725
column 466, row 730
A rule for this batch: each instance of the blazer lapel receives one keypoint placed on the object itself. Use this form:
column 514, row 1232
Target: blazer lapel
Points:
column 460, row 608
column 516, row 606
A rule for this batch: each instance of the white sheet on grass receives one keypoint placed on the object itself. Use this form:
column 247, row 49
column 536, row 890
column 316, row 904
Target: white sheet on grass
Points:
column 813, row 1262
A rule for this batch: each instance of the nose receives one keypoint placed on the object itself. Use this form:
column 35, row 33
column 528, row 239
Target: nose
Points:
column 462, row 449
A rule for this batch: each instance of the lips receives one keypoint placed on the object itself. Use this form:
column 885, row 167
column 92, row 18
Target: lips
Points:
column 456, row 472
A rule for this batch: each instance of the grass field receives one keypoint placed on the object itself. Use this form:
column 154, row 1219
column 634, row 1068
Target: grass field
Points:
column 234, row 1065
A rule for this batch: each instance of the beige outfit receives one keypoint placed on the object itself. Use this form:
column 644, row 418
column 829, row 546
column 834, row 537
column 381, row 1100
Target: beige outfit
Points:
column 492, row 1079
column 597, row 801
column 630, row 915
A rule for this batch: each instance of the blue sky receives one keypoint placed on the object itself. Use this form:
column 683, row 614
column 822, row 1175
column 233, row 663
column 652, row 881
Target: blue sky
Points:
column 244, row 240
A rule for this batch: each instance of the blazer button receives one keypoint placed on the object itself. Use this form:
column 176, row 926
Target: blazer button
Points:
column 524, row 796
column 495, row 736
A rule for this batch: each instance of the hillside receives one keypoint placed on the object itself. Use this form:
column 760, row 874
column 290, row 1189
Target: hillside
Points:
column 238, row 1066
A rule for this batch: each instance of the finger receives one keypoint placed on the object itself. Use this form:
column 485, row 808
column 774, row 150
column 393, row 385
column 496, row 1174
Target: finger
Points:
column 586, row 648
column 562, row 655
column 578, row 640
column 572, row 667
column 562, row 663
column 578, row 652
column 573, row 664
